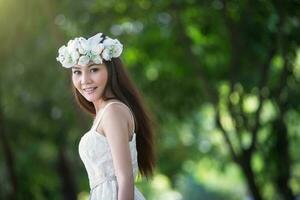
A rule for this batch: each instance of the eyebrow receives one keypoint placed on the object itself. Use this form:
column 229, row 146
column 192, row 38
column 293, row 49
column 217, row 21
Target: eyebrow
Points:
column 90, row 65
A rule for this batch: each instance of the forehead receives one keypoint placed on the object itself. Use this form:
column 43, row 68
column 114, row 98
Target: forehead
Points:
column 88, row 66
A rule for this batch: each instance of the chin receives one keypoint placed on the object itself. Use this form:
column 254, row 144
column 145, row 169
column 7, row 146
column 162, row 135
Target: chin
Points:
column 91, row 98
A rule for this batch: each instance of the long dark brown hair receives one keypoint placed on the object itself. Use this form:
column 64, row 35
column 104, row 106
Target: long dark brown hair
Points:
column 121, row 86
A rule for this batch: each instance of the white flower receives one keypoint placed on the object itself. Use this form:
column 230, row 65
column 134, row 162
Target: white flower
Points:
column 61, row 53
column 83, row 60
column 97, row 49
column 65, row 58
column 94, row 40
column 75, row 55
column 106, row 54
column 68, row 62
column 81, row 51
column 83, row 45
column 112, row 49
column 73, row 45
column 97, row 59
column 118, row 48
column 62, row 50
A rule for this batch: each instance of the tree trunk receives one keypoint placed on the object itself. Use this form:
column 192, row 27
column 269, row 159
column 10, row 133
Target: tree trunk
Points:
column 9, row 160
column 282, row 160
column 245, row 164
column 67, row 178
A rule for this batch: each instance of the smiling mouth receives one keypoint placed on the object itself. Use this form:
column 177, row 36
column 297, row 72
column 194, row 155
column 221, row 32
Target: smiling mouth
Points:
column 89, row 90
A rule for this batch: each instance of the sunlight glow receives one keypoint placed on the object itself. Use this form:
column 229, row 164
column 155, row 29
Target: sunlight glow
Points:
column 250, row 103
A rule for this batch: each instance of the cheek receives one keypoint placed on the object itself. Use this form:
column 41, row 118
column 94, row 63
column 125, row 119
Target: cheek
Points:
column 102, row 78
column 75, row 81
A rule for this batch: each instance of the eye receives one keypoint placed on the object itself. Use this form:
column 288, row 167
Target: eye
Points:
column 94, row 69
column 77, row 72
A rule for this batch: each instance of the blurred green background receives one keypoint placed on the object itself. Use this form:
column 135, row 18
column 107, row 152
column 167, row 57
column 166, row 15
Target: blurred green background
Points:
column 220, row 77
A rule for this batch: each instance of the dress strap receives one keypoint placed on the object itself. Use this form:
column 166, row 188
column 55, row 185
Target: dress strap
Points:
column 98, row 121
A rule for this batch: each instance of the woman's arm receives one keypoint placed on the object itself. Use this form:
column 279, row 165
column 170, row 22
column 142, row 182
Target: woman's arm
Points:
column 115, row 126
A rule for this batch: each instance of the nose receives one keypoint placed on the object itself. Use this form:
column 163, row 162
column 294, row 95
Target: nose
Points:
column 85, row 78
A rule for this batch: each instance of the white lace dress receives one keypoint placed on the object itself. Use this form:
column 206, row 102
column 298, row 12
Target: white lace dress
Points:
column 95, row 153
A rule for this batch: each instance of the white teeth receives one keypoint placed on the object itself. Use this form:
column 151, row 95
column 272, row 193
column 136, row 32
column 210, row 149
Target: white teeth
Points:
column 89, row 90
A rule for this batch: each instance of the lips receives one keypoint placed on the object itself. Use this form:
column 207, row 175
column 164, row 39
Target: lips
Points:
column 89, row 90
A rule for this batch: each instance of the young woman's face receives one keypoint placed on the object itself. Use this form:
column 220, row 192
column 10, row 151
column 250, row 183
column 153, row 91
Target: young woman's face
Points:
column 90, row 80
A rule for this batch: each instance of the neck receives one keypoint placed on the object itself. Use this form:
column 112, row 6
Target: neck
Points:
column 98, row 104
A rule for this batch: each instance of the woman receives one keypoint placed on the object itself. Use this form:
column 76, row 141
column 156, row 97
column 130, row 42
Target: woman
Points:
column 120, row 141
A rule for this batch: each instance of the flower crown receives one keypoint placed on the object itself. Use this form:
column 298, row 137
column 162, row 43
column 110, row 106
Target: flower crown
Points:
column 81, row 51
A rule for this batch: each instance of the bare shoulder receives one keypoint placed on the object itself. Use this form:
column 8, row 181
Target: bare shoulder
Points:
column 117, row 115
column 116, row 110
